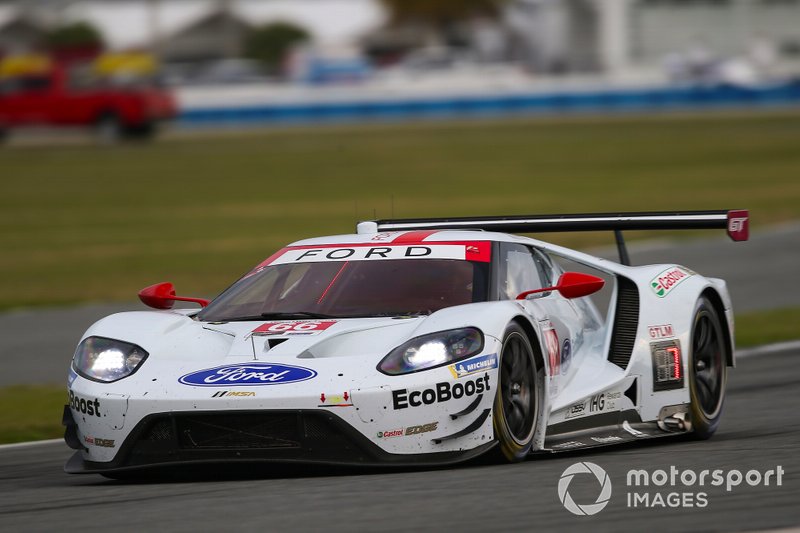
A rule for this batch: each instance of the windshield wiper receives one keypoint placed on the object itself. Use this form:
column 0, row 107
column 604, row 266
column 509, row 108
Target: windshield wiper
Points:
column 296, row 314
column 281, row 315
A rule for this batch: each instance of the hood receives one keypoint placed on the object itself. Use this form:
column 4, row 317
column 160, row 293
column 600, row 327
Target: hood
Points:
column 169, row 335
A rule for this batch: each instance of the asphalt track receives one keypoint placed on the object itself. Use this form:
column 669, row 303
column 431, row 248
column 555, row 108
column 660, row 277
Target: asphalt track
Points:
column 36, row 345
column 760, row 430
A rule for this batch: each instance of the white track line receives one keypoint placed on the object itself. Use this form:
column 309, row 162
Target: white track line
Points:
column 767, row 349
column 28, row 444
column 750, row 352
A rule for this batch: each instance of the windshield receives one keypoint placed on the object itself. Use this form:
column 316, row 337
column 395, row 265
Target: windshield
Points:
column 342, row 289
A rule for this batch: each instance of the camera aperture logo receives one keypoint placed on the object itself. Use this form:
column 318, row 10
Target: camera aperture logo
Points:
column 663, row 488
column 602, row 498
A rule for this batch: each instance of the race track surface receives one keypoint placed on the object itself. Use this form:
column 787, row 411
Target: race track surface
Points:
column 760, row 430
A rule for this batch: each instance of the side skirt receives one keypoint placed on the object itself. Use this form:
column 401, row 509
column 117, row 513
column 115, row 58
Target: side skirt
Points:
column 601, row 430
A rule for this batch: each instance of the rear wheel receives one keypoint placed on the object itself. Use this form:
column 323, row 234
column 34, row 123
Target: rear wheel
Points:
column 707, row 369
column 516, row 404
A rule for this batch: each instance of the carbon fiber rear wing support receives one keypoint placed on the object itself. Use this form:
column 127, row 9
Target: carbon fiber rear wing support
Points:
column 736, row 222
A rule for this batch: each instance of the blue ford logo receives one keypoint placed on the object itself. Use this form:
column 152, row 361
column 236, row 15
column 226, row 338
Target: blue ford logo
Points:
column 247, row 375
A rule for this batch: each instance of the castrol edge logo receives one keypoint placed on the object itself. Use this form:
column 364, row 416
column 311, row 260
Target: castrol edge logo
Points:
column 663, row 284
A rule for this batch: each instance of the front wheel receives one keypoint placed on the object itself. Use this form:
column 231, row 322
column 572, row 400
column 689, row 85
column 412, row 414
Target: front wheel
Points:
column 516, row 404
column 707, row 369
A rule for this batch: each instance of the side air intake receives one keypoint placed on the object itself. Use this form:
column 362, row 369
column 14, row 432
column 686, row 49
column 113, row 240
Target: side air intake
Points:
column 626, row 321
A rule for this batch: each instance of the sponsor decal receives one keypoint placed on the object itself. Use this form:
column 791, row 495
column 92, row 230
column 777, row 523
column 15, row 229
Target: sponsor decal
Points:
column 83, row 405
column 469, row 251
column 293, row 327
column 553, row 350
column 440, row 393
column 611, row 399
column 661, row 331
column 604, row 402
column 597, row 403
column 669, row 279
column 473, row 366
column 566, row 355
column 247, row 375
column 568, row 445
column 579, row 409
column 103, row 443
column 335, row 400
column 229, row 393
column 71, row 377
column 372, row 253
column 738, row 226
column 410, row 430
column 606, row 440
column 424, row 428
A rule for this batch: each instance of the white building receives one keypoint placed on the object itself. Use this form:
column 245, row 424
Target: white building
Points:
column 617, row 36
column 611, row 36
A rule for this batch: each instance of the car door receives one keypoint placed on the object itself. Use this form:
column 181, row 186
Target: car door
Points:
column 523, row 268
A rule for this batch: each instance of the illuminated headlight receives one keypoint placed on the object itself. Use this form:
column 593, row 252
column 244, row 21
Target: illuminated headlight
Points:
column 432, row 350
column 107, row 360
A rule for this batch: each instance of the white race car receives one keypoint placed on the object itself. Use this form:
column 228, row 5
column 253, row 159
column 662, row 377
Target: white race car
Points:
column 427, row 341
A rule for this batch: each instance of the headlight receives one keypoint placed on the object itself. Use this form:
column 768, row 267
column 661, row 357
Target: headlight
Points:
column 107, row 360
column 432, row 350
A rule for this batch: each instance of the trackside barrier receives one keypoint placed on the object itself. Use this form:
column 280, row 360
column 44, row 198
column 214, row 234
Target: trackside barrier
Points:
column 655, row 99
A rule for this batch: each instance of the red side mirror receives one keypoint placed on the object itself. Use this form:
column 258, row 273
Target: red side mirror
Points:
column 162, row 296
column 571, row 285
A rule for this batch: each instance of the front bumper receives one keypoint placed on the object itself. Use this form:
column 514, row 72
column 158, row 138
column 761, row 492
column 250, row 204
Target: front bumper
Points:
column 276, row 436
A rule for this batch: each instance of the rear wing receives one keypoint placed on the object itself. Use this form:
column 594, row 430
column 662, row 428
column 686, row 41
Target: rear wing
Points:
column 736, row 222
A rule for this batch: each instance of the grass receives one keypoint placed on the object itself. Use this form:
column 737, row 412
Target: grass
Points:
column 40, row 418
column 86, row 223
column 31, row 412
column 754, row 329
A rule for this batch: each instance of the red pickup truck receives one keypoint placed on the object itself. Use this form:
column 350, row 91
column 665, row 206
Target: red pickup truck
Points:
column 62, row 97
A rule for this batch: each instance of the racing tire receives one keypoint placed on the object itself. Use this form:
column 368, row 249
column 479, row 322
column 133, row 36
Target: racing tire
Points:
column 142, row 132
column 707, row 370
column 517, row 402
column 108, row 128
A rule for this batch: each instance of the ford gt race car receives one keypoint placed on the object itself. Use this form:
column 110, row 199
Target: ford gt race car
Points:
column 426, row 341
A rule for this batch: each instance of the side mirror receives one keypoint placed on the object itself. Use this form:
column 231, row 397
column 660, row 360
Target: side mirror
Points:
column 571, row 285
column 162, row 296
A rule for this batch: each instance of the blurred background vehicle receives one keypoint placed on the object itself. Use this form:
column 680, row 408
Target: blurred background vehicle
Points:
column 115, row 94
column 256, row 61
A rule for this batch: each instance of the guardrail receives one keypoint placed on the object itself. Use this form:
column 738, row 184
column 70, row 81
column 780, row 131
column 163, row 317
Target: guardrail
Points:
column 650, row 99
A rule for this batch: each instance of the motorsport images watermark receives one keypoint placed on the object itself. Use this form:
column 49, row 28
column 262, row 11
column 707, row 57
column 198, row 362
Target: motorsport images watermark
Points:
column 671, row 488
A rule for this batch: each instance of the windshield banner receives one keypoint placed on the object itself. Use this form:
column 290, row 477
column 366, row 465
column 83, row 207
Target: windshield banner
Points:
column 462, row 251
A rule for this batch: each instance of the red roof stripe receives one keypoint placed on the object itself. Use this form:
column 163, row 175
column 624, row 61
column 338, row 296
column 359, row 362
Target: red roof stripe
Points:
column 413, row 237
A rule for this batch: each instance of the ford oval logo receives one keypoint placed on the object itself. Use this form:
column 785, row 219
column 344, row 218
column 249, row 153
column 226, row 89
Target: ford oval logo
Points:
column 247, row 375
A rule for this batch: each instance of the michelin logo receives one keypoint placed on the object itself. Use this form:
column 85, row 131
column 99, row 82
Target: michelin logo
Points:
column 473, row 366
